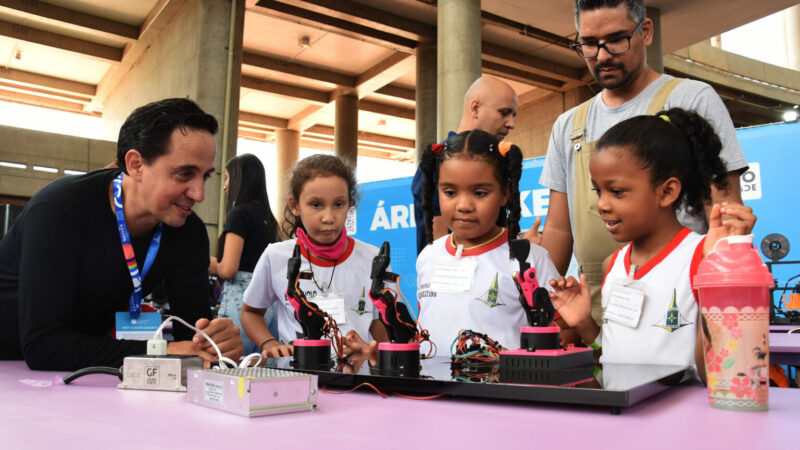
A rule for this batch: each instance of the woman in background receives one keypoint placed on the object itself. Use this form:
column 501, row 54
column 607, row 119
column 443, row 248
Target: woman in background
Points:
column 249, row 228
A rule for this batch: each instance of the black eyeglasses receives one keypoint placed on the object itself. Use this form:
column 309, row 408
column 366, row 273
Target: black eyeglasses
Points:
column 614, row 46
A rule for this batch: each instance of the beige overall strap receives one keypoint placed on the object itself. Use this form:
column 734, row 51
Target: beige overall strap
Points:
column 658, row 102
column 579, row 123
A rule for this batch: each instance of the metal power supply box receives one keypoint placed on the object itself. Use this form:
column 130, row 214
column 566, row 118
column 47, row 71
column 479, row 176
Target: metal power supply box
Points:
column 158, row 373
column 253, row 391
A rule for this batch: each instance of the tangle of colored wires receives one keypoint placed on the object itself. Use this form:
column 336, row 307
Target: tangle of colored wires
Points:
column 471, row 346
column 422, row 335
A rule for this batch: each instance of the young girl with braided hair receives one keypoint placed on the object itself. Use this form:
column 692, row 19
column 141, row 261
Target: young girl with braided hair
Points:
column 643, row 169
column 464, row 278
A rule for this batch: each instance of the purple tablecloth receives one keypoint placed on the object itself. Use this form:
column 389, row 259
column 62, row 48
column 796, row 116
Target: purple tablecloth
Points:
column 92, row 413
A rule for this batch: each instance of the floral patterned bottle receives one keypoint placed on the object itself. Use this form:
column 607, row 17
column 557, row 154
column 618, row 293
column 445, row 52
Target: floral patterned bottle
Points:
column 733, row 284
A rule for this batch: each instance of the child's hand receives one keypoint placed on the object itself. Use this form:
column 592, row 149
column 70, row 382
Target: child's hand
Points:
column 354, row 344
column 739, row 220
column 572, row 300
column 276, row 350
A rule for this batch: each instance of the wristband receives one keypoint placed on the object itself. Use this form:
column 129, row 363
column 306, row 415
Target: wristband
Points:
column 261, row 347
column 594, row 346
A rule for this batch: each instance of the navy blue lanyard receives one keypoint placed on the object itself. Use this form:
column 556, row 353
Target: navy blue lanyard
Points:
column 127, row 249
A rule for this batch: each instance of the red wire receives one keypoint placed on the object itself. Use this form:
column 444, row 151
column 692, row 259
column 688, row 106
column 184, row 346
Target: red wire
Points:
column 325, row 390
column 430, row 397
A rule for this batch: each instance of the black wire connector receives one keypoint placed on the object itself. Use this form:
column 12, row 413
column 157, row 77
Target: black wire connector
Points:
column 90, row 370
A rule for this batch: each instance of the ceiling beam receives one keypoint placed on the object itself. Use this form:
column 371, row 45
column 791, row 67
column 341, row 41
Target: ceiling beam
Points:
column 515, row 58
column 337, row 25
column 393, row 90
column 58, row 14
column 301, row 70
column 388, row 110
column 287, row 90
column 260, row 119
column 159, row 18
column 40, row 100
column 44, row 92
column 368, row 16
column 367, row 137
column 383, row 73
column 526, row 30
column 522, row 76
column 46, row 38
column 34, row 79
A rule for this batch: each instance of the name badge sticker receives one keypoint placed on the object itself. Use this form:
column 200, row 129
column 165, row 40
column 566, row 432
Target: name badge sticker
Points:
column 141, row 328
column 453, row 275
column 333, row 304
column 625, row 306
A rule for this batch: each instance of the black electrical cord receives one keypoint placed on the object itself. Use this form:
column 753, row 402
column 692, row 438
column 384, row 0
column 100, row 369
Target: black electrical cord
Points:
column 90, row 370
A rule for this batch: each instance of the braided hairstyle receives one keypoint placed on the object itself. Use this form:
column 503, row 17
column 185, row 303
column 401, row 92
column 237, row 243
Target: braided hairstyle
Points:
column 474, row 144
column 307, row 169
column 674, row 143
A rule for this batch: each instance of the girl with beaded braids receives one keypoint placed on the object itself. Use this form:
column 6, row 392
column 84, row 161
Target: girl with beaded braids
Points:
column 464, row 278
column 642, row 170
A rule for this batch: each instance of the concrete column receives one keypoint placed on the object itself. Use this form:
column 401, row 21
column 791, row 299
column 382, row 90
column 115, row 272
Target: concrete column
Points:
column 425, row 97
column 655, row 54
column 197, row 56
column 459, row 58
column 716, row 41
column 345, row 128
column 287, row 149
column 791, row 19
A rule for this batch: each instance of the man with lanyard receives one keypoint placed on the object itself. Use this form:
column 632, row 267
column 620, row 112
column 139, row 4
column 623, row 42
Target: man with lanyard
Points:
column 86, row 249
column 489, row 105
column 612, row 39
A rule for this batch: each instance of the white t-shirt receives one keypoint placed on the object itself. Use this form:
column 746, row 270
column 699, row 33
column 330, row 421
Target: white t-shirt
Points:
column 558, row 172
column 667, row 330
column 350, row 278
column 492, row 305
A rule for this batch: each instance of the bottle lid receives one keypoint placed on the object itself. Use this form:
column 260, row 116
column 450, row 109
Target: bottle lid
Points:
column 733, row 262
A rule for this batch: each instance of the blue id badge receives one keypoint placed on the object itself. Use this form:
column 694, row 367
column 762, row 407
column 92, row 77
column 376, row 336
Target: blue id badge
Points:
column 141, row 328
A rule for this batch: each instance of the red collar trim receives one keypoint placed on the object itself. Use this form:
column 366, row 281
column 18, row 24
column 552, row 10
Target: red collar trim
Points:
column 351, row 244
column 448, row 244
column 647, row 267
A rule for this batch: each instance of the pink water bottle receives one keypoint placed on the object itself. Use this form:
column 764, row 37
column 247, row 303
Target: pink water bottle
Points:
column 733, row 284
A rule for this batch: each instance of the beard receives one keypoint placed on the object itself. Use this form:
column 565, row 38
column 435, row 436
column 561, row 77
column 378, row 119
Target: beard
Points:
column 613, row 83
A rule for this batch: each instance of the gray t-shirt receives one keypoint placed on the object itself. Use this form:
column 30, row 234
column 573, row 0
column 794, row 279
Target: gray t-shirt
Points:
column 558, row 173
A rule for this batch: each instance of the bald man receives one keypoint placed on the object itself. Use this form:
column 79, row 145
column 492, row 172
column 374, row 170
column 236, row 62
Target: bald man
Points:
column 489, row 105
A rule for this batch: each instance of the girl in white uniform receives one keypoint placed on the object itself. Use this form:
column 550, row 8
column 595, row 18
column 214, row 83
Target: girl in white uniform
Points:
column 642, row 169
column 464, row 279
column 322, row 191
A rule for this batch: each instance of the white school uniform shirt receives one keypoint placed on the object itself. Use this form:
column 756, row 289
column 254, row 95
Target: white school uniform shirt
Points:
column 351, row 278
column 492, row 305
column 667, row 329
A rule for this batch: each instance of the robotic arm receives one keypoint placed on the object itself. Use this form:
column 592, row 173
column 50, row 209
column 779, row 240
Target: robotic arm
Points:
column 312, row 319
column 394, row 315
column 534, row 298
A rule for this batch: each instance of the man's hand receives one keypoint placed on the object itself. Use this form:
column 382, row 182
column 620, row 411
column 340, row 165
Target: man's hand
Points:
column 727, row 219
column 224, row 333
column 533, row 234
column 190, row 348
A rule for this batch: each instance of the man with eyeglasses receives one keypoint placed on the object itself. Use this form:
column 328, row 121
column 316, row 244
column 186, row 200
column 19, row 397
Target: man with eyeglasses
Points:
column 612, row 39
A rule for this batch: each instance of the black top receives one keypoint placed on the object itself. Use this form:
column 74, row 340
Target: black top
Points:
column 248, row 222
column 63, row 276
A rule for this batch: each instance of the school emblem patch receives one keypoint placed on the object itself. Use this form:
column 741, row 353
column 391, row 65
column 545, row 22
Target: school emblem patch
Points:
column 362, row 304
column 490, row 298
column 673, row 319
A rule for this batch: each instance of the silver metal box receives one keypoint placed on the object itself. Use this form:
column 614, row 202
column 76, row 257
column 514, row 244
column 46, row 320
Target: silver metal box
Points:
column 158, row 373
column 253, row 391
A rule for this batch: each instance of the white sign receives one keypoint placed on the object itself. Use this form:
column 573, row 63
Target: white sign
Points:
column 750, row 182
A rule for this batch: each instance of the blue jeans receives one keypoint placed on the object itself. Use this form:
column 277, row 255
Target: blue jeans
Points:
column 230, row 306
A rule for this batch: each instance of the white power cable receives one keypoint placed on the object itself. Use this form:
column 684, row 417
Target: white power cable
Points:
column 223, row 360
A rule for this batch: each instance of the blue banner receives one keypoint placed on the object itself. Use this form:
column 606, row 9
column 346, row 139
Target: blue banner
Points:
column 386, row 213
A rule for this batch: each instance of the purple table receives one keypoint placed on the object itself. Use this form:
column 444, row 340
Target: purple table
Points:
column 784, row 348
column 783, row 328
column 92, row 413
